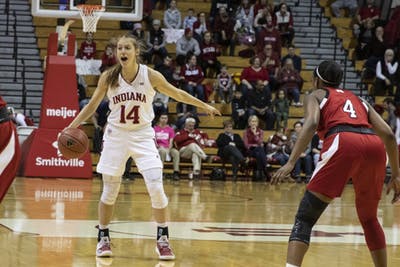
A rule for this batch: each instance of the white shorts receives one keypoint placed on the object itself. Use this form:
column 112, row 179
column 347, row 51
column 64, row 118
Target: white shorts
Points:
column 120, row 144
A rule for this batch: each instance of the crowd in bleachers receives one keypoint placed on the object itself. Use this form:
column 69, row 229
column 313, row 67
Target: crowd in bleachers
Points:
column 264, row 90
column 260, row 29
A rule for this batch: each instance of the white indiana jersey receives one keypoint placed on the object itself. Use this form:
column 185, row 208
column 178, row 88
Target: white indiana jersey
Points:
column 131, row 104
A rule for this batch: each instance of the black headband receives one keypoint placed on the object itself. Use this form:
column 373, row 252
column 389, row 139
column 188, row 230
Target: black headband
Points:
column 322, row 79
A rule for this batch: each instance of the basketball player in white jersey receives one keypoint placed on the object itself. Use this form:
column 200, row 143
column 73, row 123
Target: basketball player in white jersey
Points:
column 129, row 87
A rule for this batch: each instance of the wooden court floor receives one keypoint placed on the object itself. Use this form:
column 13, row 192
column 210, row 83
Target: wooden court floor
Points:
column 51, row 222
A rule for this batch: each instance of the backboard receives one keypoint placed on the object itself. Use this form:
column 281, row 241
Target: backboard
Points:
column 122, row 10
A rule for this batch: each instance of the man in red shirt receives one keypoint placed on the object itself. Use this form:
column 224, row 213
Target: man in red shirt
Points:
column 354, row 140
column 9, row 150
column 269, row 35
column 189, row 141
column 88, row 47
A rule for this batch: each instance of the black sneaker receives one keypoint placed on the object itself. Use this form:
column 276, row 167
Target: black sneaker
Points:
column 128, row 176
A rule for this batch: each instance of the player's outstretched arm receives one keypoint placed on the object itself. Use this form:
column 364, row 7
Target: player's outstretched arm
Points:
column 383, row 130
column 94, row 102
column 163, row 86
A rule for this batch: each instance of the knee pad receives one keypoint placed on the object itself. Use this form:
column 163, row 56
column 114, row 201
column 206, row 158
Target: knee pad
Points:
column 153, row 179
column 310, row 209
column 111, row 187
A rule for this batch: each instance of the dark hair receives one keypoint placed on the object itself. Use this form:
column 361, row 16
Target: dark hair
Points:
column 329, row 72
column 227, row 123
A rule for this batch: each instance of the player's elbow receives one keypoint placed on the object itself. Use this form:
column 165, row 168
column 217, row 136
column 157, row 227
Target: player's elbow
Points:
column 387, row 136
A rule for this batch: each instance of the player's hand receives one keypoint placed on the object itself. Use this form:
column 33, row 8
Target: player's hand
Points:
column 394, row 184
column 282, row 173
column 212, row 111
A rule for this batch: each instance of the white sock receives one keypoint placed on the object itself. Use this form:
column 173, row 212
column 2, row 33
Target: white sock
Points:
column 291, row 265
column 102, row 227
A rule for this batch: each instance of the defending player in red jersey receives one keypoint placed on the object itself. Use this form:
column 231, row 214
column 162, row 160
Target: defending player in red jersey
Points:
column 9, row 150
column 355, row 137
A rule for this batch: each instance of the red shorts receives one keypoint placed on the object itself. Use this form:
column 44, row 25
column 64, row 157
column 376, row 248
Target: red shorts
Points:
column 361, row 157
column 9, row 156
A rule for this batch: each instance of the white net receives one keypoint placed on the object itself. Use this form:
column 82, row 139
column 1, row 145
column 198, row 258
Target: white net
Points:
column 90, row 16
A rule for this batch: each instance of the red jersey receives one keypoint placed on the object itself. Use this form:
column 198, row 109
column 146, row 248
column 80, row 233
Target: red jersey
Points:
column 341, row 107
column 2, row 102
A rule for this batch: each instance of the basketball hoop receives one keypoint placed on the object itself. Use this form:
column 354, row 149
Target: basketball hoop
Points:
column 90, row 15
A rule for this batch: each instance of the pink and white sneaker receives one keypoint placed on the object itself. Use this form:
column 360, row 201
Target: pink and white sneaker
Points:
column 104, row 247
column 163, row 249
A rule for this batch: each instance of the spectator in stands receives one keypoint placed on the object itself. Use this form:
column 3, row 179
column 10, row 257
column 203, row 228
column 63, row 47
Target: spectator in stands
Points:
column 200, row 27
column 351, row 5
column 316, row 146
column 224, row 85
column 284, row 23
column 387, row 73
column 172, row 16
column 209, row 56
column 228, row 5
column 231, row 148
column 189, row 142
column 159, row 107
column 162, row 4
column 366, row 14
column 251, row 74
column 297, row 61
column 392, row 28
column 194, row 77
column 147, row 12
column 277, row 148
column 138, row 31
column 253, row 138
column 365, row 37
column 156, row 42
column 183, row 112
column 186, row 45
column 190, row 19
column 108, row 58
column 239, row 110
column 224, row 34
column 164, row 138
column 88, row 47
column 304, row 163
column 377, row 46
column 290, row 81
column 259, row 104
column 17, row 117
column 269, row 35
column 281, row 109
column 245, row 16
column 278, row 6
column 373, row 51
column 169, row 71
column 82, row 97
column 271, row 61
column 390, row 108
column 261, row 5
column 260, row 20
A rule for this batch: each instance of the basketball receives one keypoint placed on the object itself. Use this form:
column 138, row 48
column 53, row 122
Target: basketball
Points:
column 73, row 143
